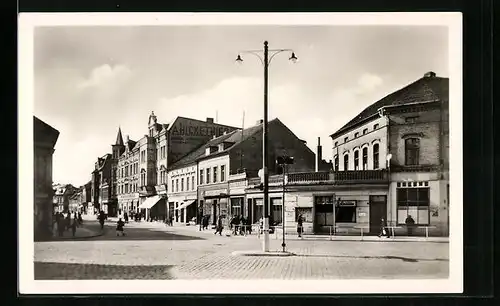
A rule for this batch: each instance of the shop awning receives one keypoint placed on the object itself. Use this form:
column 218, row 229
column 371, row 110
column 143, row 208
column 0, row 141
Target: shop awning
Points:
column 150, row 202
column 185, row 204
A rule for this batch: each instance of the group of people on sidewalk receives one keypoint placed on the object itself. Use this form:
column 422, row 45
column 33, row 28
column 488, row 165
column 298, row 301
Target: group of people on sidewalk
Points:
column 64, row 221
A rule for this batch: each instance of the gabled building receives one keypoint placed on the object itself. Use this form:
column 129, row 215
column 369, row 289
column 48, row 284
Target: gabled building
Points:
column 45, row 138
column 142, row 165
column 101, row 185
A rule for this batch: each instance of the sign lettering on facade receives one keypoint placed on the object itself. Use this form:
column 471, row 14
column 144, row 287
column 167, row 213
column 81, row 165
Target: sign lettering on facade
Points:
column 198, row 131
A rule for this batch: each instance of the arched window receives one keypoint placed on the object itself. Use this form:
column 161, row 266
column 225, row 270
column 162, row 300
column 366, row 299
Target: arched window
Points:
column 375, row 156
column 336, row 163
column 365, row 158
column 346, row 162
column 356, row 160
column 412, row 151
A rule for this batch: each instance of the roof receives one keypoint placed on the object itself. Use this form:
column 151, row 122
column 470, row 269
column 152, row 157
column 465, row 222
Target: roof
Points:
column 425, row 89
column 200, row 151
column 44, row 133
column 191, row 119
column 119, row 138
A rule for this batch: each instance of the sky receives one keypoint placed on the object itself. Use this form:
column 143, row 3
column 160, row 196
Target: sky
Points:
column 90, row 80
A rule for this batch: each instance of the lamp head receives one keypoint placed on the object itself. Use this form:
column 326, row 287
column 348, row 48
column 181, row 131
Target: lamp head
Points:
column 293, row 58
column 239, row 59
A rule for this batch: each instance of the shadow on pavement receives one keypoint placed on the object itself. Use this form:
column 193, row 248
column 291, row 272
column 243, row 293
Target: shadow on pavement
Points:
column 141, row 234
column 70, row 271
column 405, row 259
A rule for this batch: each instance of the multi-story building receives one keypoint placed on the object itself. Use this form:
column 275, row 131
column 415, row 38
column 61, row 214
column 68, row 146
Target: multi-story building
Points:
column 86, row 198
column 142, row 165
column 45, row 138
column 238, row 157
column 101, row 181
column 62, row 195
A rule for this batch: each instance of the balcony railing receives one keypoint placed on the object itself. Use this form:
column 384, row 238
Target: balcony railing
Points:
column 338, row 177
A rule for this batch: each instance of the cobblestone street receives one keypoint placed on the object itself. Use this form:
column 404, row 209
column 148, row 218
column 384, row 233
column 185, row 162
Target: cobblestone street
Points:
column 159, row 252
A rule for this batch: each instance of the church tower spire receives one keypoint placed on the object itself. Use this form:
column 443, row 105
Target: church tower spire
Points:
column 119, row 138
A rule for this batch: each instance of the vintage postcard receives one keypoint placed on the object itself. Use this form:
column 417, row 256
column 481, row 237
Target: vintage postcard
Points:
column 273, row 153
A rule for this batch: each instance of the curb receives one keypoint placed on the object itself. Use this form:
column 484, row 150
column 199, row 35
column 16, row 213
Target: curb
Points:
column 260, row 253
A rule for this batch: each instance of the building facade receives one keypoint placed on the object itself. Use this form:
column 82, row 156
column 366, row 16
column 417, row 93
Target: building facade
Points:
column 142, row 168
column 101, row 184
column 407, row 134
column 45, row 138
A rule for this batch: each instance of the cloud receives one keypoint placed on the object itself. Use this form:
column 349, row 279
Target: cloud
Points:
column 369, row 82
column 105, row 75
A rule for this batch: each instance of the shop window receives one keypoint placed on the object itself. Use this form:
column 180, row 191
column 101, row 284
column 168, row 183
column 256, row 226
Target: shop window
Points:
column 356, row 160
column 258, row 209
column 345, row 212
column 305, row 212
column 413, row 202
column 276, row 211
column 236, row 206
column 412, row 150
column 336, row 163
column 346, row 162
column 365, row 158
column 375, row 156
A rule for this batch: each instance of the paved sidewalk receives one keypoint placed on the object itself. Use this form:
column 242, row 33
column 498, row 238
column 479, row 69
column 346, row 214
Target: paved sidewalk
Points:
column 88, row 229
column 278, row 236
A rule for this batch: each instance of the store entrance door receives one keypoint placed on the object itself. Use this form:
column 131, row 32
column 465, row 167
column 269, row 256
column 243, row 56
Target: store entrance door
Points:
column 378, row 210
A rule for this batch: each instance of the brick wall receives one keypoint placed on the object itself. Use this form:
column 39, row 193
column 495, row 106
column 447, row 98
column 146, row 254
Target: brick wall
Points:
column 426, row 128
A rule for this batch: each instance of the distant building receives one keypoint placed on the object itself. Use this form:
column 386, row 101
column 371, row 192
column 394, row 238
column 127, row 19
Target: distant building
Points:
column 86, row 198
column 100, row 188
column 62, row 195
column 45, row 138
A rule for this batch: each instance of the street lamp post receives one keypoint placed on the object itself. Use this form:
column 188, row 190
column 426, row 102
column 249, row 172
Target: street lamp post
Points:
column 284, row 161
column 266, row 61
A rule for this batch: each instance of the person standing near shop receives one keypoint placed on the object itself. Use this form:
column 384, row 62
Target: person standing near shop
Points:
column 300, row 226
column 410, row 223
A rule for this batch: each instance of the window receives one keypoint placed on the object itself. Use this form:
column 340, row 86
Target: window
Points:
column 176, row 185
column 192, row 182
column 336, row 143
column 413, row 202
column 173, row 185
column 236, row 206
column 336, row 163
column 201, row 176
column 276, row 210
column 222, row 173
column 356, row 134
column 375, row 156
column 187, row 183
column 365, row 158
column 345, row 212
column 412, row 150
column 365, row 131
column 375, row 126
column 346, row 139
column 356, row 160
column 143, row 156
column 182, row 184
column 208, row 175
column 346, row 162
column 215, row 174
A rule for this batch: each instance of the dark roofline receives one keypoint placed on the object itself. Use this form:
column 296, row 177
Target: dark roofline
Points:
column 198, row 120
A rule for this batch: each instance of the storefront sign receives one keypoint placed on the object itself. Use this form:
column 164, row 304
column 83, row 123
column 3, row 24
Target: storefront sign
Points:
column 347, row 203
column 214, row 193
column 362, row 214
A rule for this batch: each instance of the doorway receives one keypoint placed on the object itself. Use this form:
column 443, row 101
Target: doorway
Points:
column 214, row 211
column 378, row 210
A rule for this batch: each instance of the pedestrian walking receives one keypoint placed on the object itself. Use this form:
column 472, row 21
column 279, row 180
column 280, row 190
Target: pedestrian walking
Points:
column 410, row 223
column 300, row 226
column 101, row 218
column 125, row 217
column 383, row 229
column 60, row 224
column 248, row 225
column 241, row 225
column 67, row 221
column 80, row 219
column 74, row 224
column 219, row 227
column 119, row 227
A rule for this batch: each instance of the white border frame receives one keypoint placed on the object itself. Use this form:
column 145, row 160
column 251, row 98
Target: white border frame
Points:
column 27, row 284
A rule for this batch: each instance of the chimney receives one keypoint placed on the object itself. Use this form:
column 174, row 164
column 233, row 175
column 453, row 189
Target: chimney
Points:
column 430, row 74
column 261, row 121
column 126, row 139
column 319, row 154
column 210, row 120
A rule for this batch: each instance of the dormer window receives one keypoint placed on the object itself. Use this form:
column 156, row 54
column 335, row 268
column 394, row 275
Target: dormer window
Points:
column 207, row 151
column 356, row 134
column 346, row 139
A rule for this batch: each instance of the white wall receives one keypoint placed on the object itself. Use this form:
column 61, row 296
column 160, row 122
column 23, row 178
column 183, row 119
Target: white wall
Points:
column 211, row 163
column 373, row 136
column 185, row 173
